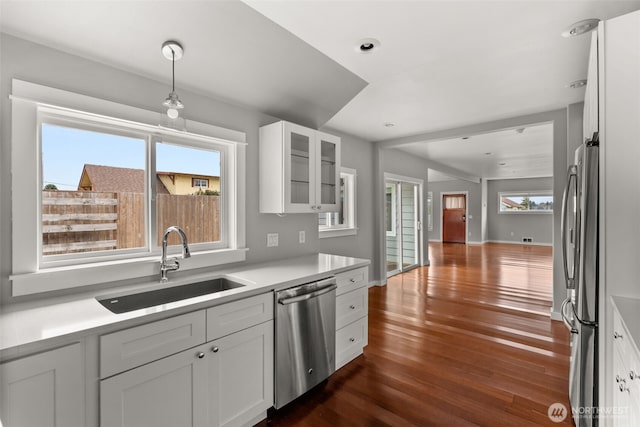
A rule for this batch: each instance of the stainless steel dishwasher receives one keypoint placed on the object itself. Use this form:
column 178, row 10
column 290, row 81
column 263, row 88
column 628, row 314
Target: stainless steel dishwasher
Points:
column 305, row 338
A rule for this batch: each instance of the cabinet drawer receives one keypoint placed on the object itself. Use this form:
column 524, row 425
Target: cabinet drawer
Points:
column 136, row 346
column 235, row 316
column 350, row 340
column 351, row 306
column 350, row 280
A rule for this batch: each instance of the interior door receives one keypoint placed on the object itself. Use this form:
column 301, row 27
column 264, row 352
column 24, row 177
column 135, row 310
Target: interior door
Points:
column 454, row 218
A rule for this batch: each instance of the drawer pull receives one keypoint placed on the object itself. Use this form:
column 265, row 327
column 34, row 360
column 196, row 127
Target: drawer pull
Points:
column 616, row 335
column 352, row 307
column 352, row 339
column 618, row 378
column 632, row 375
column 352, row 280
column 215, row 349
column 200, row 355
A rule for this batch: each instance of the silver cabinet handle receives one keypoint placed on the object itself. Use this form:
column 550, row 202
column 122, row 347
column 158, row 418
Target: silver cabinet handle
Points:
column 352, row 307
column 616, row 335
column 215, row 349
column 565, row 318
column 623, row 386
column 352, row 339
column 352, row 280
column 571, row 176
column 200, row 355
column 305, row 297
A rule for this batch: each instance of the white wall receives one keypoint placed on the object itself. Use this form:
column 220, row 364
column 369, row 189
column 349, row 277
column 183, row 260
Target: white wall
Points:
column 42, row 65
column 538, row 226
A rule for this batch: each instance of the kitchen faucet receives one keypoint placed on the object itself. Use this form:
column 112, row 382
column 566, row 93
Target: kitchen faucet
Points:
column 172, row 264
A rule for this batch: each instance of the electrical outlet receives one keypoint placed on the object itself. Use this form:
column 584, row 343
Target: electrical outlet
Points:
column 301, row 236
column 272, row 240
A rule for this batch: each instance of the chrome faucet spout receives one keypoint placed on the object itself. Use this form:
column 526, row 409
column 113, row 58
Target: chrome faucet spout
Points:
column 172, row 264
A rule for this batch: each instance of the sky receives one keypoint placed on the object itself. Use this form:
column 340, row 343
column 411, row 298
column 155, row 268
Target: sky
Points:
column 66, row 150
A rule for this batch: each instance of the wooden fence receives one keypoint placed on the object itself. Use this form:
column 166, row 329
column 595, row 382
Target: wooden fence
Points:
column 83, row 221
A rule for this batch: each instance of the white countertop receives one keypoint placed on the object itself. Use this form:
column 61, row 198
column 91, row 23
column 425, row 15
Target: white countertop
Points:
column 629, row 309
column 32, row 322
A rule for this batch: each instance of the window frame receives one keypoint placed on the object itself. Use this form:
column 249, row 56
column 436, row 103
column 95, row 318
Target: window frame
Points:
column 393, row 207
column 544, row 193
column 32, row 102
column 429, row 210
column 193, row 183
column 349, row 206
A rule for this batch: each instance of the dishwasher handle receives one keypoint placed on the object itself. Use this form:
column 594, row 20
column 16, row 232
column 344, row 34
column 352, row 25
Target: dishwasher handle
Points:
column 320, row 291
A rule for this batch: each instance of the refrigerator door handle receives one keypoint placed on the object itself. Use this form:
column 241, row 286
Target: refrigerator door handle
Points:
column 565, row 318
column 572, row 175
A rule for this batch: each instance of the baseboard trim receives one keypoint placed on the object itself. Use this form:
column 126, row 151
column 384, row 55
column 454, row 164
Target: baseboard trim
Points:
column 519, row 243
column 374, row 283
column 556, row 316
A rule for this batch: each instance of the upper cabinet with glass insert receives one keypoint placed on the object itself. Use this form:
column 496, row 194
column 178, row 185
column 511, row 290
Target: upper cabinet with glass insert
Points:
column 299, row 169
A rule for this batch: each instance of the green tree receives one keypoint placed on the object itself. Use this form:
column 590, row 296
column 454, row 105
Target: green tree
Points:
column 526, row 204
column 50, row 187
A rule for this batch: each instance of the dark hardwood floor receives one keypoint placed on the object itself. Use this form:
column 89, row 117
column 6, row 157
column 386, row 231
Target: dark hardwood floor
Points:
column 466, row 341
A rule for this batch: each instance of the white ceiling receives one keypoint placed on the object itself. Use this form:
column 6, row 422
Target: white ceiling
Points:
column 441, row 64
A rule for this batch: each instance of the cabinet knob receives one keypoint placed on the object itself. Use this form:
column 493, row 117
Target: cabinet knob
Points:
column 200, row 355
column 632, row 375
column 352, row 339
column 215, row 349
column 352, row 307
column 352, row 280
column 616, row 335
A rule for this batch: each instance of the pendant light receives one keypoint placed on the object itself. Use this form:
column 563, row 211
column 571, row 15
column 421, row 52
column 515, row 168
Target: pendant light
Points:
column 173, row 51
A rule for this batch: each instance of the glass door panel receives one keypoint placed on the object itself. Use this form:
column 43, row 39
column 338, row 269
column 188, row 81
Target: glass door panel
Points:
column 393, row 232
column 401, row 219
column 328, row 172
column 300, row 168
column 409, row 220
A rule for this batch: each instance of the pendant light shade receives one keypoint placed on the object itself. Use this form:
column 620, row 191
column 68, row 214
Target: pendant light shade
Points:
column 173, row 51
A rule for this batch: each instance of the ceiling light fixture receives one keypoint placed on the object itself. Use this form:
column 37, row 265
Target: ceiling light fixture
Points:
column 502, row 164
column 389, row 125
column 580, row 27
column 520, row 130
column 487, row 154
column 367, row 45
column 173, row 51
column 577, row 84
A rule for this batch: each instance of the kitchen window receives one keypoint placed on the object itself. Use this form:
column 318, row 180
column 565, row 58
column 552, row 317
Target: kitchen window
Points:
column 525, row 202
column 342, row 222
column 96, row 189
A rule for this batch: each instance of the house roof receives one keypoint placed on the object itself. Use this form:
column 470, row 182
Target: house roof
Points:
column 111, row 178
column 511, row 204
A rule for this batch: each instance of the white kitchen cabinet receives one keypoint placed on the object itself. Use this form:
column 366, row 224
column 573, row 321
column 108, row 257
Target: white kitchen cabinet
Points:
column 352, row 309
column 299, row 169
column 227, row 381
column 166, row 393
column 241, row 376
column 45, row 389
column 625, row 382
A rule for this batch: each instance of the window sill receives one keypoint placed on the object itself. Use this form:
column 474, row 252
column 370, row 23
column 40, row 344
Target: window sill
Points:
column 68, row 277
column 525, row 212
column 337, row 232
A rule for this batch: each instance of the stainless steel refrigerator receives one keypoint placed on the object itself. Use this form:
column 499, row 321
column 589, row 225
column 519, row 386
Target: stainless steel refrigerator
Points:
column 580, row 254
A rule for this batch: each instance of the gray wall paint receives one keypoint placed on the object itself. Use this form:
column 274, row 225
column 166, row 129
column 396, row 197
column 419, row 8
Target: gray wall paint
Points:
column 38, row 64
column 574, row 129
column 538, row 226
column 474, row 207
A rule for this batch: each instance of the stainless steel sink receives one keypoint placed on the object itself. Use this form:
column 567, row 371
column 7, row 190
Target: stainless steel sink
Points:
column 130, row 302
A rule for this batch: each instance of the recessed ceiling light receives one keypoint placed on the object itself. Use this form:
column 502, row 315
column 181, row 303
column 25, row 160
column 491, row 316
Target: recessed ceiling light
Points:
column 580, row 27
column 464, row 138
column 577, row 84
column 502, row 164
column 389, row 125
column 487, row 154
column 520, row 130
column 368, row 45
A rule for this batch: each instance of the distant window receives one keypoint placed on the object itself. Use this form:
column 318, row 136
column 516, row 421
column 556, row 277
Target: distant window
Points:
column 199, row 182
column 525, row 202
column 342, row 222
column 390, row 209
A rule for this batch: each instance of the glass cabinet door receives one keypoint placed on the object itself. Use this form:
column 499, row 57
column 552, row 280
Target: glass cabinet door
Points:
column 300, row 174
column 328, row 173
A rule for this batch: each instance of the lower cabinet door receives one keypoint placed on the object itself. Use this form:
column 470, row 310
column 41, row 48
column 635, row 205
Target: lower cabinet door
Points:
column 44, row 390
column 168, row 392
column 241, row 375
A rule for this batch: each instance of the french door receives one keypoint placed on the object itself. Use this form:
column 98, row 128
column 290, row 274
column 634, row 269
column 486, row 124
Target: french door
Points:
column 402, row 218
